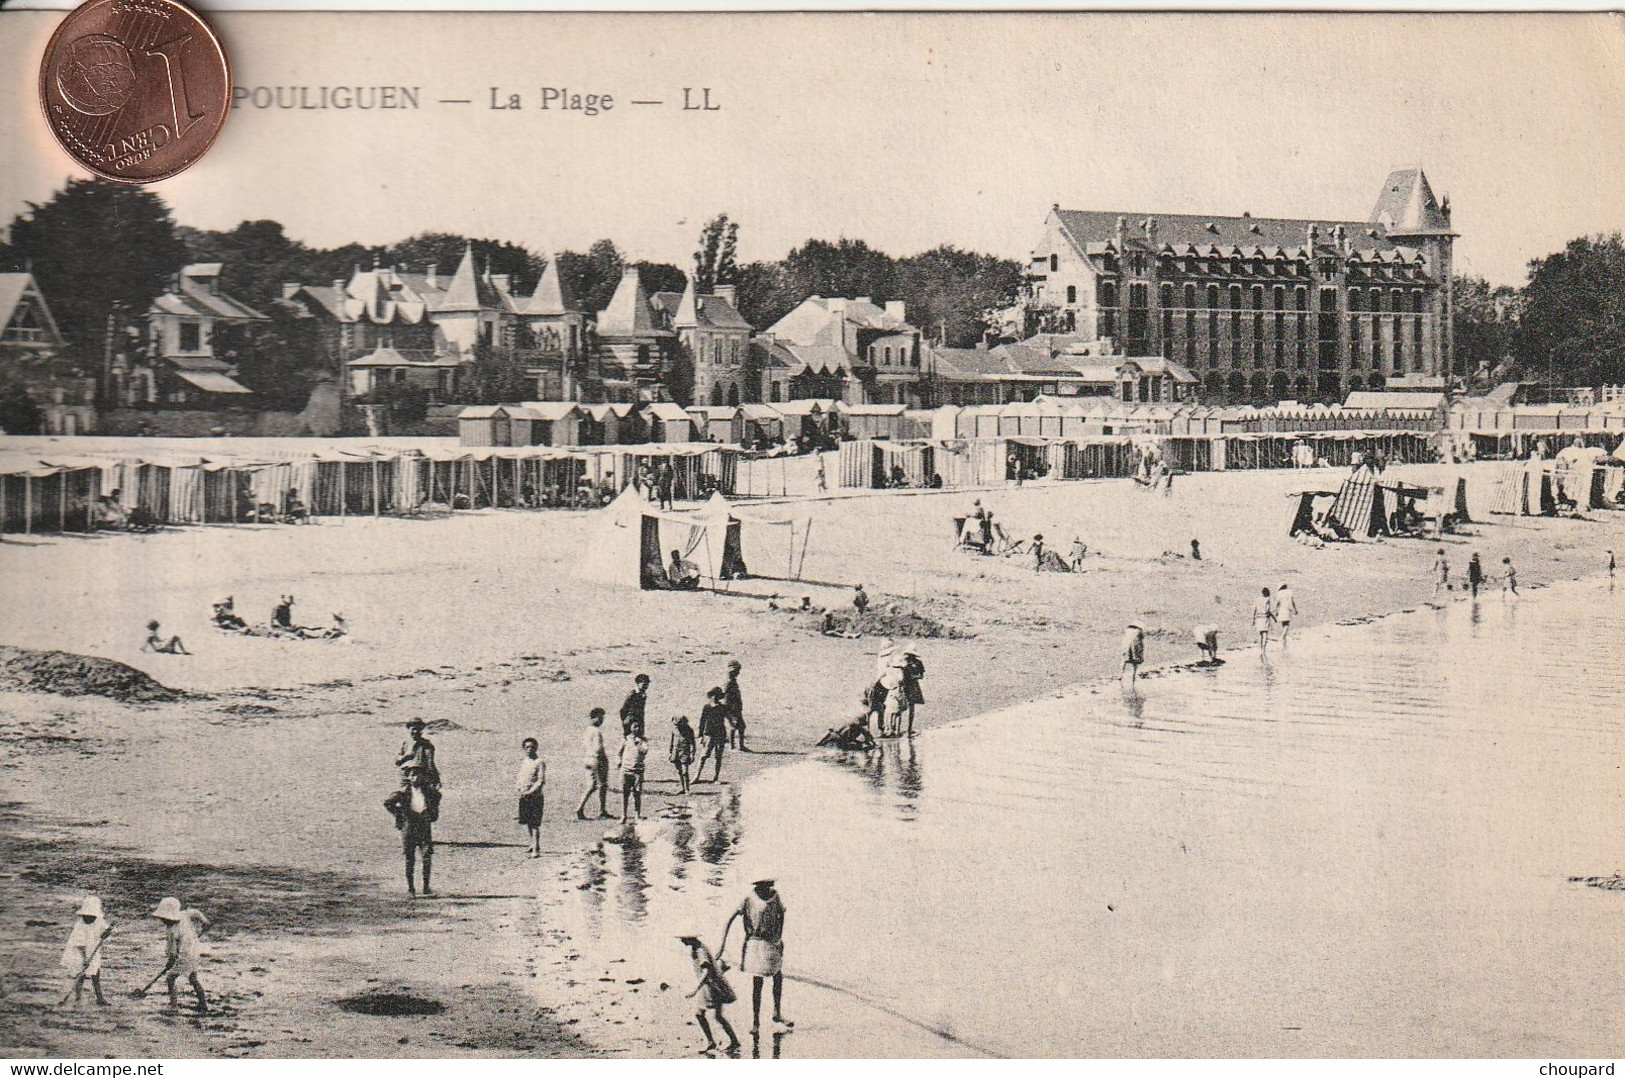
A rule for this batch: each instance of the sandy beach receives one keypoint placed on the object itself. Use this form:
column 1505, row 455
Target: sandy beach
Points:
column 477, row 625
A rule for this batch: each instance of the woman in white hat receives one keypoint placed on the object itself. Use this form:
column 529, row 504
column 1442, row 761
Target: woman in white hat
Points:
column 83, row 953
column 183, row 951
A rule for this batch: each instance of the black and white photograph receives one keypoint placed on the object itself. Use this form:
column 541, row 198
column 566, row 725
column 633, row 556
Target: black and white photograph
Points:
column 695, row 536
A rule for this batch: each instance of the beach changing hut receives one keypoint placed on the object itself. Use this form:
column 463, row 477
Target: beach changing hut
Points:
column 871, row 421
column 630, row 542
column 718, row 423
column 763, row 424
column 668, row 423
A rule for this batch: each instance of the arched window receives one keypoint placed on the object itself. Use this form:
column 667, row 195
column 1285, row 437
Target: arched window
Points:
column 888, row 355
column 1108, row 294
column 733, row 395
column 1396, row 300
column 1235, row 297
column 1416, row 300
column 1279, row 297
column 1190, row 296
column 1257, row 297
column 716, row 394
column 1165, row 296
column 1354, row 299
column 1213, row 297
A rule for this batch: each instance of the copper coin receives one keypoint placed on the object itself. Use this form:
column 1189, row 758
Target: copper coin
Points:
column 134, row 90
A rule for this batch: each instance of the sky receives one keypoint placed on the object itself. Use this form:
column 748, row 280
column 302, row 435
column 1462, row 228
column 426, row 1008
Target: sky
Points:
column 906, row 131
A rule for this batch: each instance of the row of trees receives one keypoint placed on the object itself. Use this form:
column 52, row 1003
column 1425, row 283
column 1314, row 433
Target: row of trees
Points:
column 103, row 251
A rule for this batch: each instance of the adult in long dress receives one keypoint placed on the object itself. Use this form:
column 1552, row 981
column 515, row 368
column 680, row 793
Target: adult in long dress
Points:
column 762, row 913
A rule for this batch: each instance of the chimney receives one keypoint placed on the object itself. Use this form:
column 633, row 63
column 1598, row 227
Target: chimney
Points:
column 727, row 293
column 501, row 281
column 1310, row 235
column 895, row 309
column 338, row 287
column 1151, row 230
column 431, row 274
column 1122, row 226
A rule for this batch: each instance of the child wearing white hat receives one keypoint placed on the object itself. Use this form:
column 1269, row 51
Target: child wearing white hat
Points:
column 83, row 953
column 183, row 951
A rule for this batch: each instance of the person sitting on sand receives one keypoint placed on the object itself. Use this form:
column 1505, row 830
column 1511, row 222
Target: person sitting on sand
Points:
column 831, row 627
column 853, row 737
column 294, row 510
column 682, row 575
column 156, row 643
column 1207, row 642
column 225, row 616
column 282, row 614
column 109, row 512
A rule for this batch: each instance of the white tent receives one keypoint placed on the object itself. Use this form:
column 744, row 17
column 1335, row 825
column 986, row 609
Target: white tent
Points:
column 628, row 535
column 770, row 536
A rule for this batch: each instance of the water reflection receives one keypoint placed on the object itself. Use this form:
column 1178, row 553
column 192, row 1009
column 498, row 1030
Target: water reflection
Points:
column 1258, row 847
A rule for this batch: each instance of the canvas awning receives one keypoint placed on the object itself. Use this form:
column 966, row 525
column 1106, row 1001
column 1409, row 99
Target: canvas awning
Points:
column 213, row 382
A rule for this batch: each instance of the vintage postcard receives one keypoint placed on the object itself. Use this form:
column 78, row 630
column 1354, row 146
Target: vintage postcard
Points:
column 807, row 536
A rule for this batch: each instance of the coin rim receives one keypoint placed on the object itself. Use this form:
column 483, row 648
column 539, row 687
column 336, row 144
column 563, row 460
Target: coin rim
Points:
column 136, row 181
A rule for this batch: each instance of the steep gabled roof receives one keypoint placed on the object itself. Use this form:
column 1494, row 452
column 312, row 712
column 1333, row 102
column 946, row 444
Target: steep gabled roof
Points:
column 1245, row 236
column 468, row 290
column 13, row 287
column 1407, row 206
column 548, row 298
column 629, row 313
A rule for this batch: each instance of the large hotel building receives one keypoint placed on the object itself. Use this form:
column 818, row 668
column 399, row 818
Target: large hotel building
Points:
column 1260, row 308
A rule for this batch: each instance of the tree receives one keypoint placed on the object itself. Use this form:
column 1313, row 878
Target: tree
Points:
column 256, row 258
column 661, row 277
column 444, row 250
column 1573, row 323
column 765, row 293
column 716, row 261
column 1485, row 321
column 18, row 412
column 948, row 291
column 590, row 279
column 93, row 245
column 845, row 268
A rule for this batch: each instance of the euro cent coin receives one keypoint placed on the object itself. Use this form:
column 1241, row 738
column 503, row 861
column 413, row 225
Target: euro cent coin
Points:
column 135, row 90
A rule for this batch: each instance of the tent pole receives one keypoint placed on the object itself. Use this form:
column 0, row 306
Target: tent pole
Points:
column 28, row 505
column 806, row 537
column 374, row 486
column 62, row 502
column 344, row 483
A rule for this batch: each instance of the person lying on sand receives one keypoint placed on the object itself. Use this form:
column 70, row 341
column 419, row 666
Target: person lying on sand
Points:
column 853, row 737
column 830, row 627
column 158, row 644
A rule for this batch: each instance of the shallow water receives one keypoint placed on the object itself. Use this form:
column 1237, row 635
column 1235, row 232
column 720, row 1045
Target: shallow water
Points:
column 1358, row 846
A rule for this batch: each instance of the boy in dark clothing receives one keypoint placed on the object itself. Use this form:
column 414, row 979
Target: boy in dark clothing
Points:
column 415, row 807
column 633, row 707
column 713, row 734
column 735, row 701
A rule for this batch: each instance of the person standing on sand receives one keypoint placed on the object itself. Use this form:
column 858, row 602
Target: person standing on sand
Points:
column 1079, row 552
column 1038, row 552
column 1286, row 608
column 713, row 992
column 633, row 707
column 713, row 733
column 183, row 950
column 1509, row 578
column 762, row 915
column 735, row 701
column 1196, row 550
column 913, row 674
column 1441, row 573
column 860, row 599
column 633, row 752
column 1475, row 574
column 595, row 757
column 823, row 480
column 416, row 807
column 1610, row 565
column 83, row 953
column 1263, row 614
column 1133, row 652
column 665, row 480
column 532, row 787
column 681, row 750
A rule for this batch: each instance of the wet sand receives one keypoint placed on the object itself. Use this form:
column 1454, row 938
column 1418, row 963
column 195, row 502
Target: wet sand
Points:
column 475, row 623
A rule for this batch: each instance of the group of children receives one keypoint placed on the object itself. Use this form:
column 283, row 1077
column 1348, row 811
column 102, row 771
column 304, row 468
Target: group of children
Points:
column 1475, row 574
column 183, row 951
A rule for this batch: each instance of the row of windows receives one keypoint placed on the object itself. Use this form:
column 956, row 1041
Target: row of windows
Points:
column 1258, row 267
column 882, row 356
column 1395, row 300
column 729, row 348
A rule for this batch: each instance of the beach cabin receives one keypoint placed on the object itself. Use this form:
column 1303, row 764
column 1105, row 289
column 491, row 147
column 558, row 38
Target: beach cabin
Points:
column 871, row 421
column 484, row 425
column 805, row 418
column 763, row 424
column 668, row 423
column 548, row 423
column 718, row 423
